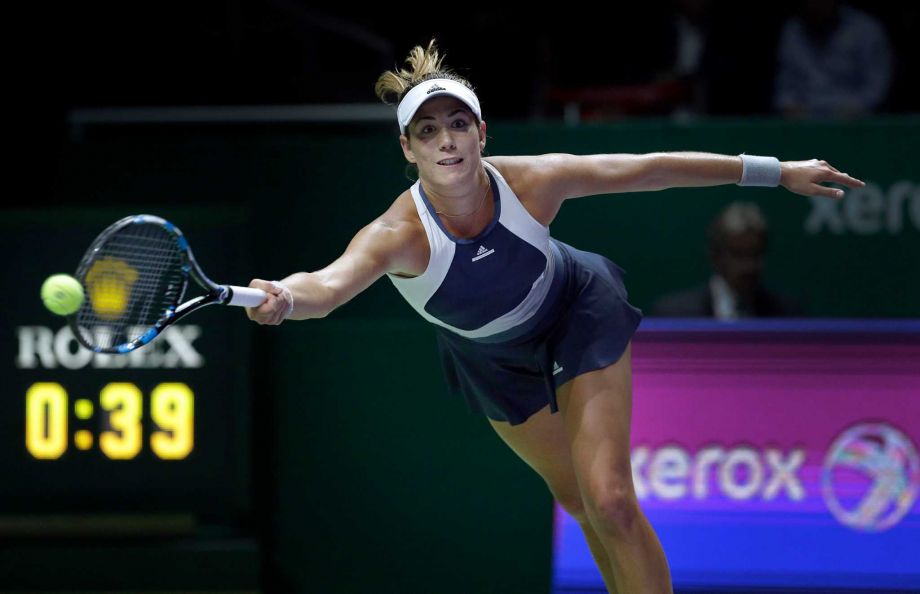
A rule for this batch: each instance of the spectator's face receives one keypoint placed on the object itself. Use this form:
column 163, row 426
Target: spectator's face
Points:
column 739, row 259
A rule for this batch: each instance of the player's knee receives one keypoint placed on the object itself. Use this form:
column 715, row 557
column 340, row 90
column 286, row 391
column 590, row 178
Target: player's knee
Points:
column 613, row 509
column 573, row 505
column 568, row 497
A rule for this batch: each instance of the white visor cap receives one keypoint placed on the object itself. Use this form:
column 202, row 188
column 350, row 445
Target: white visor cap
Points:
column 422, row 92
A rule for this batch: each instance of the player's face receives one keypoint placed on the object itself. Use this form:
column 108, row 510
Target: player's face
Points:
column 444, row 141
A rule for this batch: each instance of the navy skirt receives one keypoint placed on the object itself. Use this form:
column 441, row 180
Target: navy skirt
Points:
column 584, row 324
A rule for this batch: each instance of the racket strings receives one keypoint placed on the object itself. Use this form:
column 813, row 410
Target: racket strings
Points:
column 160, row 258
column 135, row 278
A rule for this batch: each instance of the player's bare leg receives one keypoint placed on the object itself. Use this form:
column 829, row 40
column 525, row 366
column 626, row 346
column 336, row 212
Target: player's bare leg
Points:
column 543, row 444
column 596, row 408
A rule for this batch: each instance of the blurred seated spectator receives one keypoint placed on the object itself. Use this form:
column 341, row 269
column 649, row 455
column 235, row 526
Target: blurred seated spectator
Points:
column 833, row 61
column 737, row 244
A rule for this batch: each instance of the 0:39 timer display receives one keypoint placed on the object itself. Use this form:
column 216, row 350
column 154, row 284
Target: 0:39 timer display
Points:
column 165, row 429
column 120, row 412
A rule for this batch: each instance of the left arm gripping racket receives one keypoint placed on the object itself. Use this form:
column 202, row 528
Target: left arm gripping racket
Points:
column 135, row 275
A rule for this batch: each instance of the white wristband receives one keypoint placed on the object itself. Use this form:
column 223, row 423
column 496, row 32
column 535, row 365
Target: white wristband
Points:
column 287, row 296
column 760, row 171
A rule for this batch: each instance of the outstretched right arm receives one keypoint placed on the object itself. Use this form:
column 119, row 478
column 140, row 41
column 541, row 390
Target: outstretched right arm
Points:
column 372, row 252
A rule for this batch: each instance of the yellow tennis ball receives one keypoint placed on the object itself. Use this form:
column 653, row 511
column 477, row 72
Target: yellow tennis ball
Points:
column 62, row 294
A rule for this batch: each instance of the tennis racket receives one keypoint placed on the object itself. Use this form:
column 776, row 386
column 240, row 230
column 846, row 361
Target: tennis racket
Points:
column 135, row 275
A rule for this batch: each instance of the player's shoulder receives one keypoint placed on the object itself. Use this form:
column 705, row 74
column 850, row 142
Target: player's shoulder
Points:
column 402, row 214
column 399, row 224
column 529, row 161
column 518, row 165
column 398, row 235
column 521, row 170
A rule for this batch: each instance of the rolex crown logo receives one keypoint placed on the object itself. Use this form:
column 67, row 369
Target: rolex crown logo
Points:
column 435, row 87
column 109, row 282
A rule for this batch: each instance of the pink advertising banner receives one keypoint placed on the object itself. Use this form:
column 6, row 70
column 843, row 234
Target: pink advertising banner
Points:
column 781, row 454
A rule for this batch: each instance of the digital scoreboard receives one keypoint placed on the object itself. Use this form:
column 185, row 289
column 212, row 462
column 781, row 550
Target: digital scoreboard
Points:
column 165, row 429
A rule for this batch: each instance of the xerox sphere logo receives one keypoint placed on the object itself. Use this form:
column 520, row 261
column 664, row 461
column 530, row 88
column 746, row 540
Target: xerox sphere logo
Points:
column 871, row 477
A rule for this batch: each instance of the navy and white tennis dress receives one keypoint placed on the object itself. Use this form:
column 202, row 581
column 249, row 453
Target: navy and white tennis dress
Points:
column 517, row 313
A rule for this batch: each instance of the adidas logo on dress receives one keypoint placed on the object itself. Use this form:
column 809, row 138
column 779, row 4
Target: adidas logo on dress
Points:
column 482, row 253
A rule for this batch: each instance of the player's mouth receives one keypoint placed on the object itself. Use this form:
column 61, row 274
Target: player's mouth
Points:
column 450, row 162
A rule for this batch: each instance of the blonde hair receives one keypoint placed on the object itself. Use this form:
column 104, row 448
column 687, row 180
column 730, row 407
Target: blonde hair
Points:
column 424, row 64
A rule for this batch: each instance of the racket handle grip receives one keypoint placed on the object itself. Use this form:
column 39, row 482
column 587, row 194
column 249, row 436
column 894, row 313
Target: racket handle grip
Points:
column 246, row 297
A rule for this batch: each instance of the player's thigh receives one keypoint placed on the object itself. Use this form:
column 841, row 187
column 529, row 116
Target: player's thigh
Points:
column 543, row 443
column 596, row 408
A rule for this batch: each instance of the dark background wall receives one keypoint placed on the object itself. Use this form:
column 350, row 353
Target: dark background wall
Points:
column 241, row 52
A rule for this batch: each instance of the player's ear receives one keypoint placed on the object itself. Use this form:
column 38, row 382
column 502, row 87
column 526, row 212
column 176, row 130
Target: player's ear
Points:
column 407, row 150
column 482, row 136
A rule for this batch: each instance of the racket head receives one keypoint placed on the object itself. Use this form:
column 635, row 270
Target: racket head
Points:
column 134, row 274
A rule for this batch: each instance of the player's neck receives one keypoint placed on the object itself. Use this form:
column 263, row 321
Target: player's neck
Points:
column 460, row 203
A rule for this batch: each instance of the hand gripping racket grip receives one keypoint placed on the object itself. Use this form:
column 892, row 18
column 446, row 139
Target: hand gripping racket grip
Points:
column 246, row 297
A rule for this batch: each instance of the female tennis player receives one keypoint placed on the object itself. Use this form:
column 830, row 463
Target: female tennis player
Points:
column 534, row 333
